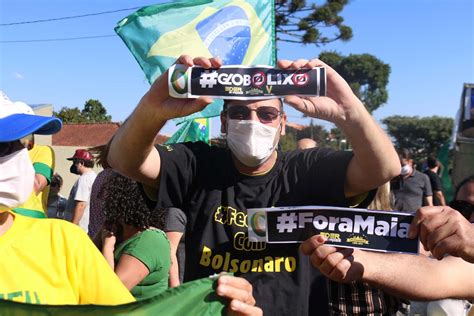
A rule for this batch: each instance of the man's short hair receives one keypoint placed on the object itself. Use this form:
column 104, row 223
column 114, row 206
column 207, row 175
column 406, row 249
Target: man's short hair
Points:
column 432, row 162
column 86, row 163
column 56, row 180
column 404, row 153
column 462, row 183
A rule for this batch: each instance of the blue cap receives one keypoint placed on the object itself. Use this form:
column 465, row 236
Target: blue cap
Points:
column 17, row 121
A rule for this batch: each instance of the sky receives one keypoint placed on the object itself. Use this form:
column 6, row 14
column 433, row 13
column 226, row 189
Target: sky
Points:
column 429, row 45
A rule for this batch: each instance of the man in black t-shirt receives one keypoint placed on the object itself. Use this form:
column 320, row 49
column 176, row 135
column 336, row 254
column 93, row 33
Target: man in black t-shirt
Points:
column 433, row 167
column 215, row 186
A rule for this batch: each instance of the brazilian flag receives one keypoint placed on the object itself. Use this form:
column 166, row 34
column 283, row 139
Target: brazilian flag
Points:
column 192, row 298
column 238, row 31
column 192, row 131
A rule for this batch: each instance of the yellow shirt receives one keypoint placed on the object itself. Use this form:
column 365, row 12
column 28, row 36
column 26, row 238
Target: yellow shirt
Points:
column 42, row 158
column 51, row 261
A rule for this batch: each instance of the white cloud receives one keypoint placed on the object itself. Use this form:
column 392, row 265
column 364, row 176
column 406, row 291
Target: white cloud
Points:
column 18, row 76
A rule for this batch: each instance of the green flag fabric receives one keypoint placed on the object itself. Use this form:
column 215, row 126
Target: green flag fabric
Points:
column 446, row 181
column 191, row 131
column 238, row 31
column 192, row 298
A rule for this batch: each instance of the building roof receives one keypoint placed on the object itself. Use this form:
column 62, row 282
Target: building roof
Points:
column 295, row 126
column 90, row 134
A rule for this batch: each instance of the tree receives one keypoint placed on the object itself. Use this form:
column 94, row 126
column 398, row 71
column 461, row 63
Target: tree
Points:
column 292, row 135
column 69, row 115
column 422, row 135
column 93, row 112
column 366, row 74
column 298, row 22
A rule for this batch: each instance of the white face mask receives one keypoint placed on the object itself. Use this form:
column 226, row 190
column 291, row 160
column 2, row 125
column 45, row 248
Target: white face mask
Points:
column 250, row 141
column 406, row 170
column 16, row 179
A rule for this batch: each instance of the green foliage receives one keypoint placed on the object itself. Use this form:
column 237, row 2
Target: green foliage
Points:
column 366, row 74
column 93, row 112
column 69, row 115
column 313, row 131
column 299, row 22
column 288, row 141
column 422, row 135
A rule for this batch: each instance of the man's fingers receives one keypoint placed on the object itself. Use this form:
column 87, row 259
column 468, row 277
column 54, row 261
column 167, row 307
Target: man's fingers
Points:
column 342, row 268
column 333, row 260
column 216, row 62
column 422, row 214
column 447, row 245
column 203, row 62
column 185, row 60
column 235, row 289
column 239, row 308
column 309, row 245
column 437, row 228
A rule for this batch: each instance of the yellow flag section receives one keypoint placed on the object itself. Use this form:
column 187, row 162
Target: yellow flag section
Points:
column 189, row 34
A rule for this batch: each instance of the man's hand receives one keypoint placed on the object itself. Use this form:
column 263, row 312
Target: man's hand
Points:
column 443, row 230
column 239, row 292
column 335, row 263
column 336, row 106
column 168, row 107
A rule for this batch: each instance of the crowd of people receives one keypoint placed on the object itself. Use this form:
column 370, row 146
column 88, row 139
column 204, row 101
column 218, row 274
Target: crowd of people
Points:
column 119, row 237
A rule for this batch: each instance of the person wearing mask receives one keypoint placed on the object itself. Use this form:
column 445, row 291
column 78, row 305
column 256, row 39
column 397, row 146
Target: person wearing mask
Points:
column 215, row 186
column 44, row 261
column 411, row 188
column 42, row 158
column 77, row 208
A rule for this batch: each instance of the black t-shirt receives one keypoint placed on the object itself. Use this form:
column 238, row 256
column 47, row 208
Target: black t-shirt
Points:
column 435, row 186
column 204, row 183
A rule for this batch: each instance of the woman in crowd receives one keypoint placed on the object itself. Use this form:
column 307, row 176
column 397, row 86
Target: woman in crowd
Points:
column 133, row 243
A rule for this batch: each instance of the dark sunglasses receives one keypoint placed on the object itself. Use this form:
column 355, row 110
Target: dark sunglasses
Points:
column 266, row 114
column 464, row 207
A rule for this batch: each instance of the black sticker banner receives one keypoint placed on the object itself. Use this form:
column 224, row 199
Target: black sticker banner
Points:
column 343, row 227
column 245, row 82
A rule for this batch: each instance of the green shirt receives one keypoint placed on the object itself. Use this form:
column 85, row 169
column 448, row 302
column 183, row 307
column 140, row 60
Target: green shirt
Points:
column 152, row 248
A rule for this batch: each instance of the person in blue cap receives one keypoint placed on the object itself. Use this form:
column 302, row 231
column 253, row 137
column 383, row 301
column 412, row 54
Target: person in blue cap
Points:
column 44, row 261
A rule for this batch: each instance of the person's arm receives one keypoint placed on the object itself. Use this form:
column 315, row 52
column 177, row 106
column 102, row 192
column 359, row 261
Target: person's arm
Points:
column 402, row 275
column 174, row 239
column 79, row 208
column 108, row 241
column 44, row 165
column 428, row 200
column 440, row 196
column 375, row 160
column 132, row 150
column 40, row 183
column 130, row 271
column 443, row 231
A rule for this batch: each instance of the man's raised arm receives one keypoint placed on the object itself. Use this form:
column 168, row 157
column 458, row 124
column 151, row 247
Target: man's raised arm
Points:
column 375, row 160
column 132, row 150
